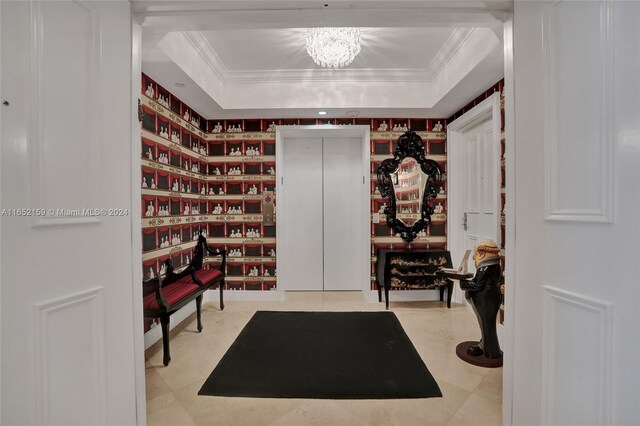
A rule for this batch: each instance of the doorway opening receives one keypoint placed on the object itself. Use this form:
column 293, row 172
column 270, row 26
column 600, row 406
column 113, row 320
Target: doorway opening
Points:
column 323, row 208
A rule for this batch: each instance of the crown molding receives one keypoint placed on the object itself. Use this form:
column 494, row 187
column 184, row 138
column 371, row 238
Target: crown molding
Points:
column 200, row 44
column 446, row 52
column 202, row 47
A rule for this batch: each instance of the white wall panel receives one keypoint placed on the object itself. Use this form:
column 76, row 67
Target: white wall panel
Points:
column 490, row 186
column 63, row 142
column 70, row 356
column 473, row 188
column 578, row 114
column 577, row 339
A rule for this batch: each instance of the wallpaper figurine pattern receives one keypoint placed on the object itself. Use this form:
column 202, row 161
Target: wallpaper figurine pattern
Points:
column 209, row 175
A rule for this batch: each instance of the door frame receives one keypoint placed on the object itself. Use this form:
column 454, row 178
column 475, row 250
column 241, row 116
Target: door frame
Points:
column 510, row 241
column 489, row 109
column 328, row 131
column 136, row 223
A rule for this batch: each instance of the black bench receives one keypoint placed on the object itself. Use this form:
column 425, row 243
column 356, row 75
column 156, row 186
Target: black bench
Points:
column 164, row 296
column 415, row 269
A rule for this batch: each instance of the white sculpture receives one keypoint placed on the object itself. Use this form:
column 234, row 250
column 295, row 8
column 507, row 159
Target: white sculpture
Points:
column 437, row 127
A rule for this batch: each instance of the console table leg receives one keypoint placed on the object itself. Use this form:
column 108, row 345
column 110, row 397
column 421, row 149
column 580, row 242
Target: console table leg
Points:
column 386, row 297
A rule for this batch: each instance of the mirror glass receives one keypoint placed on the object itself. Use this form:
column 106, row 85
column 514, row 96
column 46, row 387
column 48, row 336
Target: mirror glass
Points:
column 408, row 183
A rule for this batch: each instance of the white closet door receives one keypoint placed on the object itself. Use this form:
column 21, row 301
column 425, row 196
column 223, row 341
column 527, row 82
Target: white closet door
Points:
column 303, row 207
column 342, row 179
column 68, row 311
column 481, row 189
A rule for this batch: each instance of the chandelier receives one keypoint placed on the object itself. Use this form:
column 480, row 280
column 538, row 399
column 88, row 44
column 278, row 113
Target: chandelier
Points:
column 333, row 47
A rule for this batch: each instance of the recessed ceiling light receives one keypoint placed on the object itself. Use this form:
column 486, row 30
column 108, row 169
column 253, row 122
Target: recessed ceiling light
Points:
column 322, row 112
column 179, row 84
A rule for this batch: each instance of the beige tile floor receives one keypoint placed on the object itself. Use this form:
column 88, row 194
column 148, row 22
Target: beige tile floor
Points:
column 471, row 395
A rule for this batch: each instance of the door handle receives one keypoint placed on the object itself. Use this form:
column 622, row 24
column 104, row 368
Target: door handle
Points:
column 464, row 221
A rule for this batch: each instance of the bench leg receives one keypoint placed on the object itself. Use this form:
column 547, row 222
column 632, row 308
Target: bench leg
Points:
column 379, row 293
column 221, row 297
column 442, row 293
column 199, row 312
column 166, row 358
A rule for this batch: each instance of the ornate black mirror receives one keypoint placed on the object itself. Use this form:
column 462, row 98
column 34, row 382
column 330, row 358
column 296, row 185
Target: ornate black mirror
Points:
column 408, row 181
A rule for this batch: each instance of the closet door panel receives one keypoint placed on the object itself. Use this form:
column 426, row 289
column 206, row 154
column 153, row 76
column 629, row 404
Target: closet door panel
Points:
column 342, row 180
column 303, row 207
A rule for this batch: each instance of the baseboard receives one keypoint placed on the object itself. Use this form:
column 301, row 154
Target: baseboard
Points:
column 155, row 334
column 371, row 296
column 244, row 295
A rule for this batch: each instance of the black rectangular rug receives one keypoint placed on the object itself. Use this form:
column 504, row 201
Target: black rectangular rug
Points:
column 331, row 355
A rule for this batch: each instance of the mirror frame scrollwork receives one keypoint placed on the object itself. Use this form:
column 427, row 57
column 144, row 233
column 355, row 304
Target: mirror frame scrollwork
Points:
column 409, row 145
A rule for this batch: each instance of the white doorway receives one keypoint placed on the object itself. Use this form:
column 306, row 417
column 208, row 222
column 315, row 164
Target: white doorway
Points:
column 474, row 184
column 322, row 208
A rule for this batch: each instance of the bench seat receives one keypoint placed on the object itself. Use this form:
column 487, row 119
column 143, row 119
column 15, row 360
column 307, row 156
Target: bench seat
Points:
column 163, row 296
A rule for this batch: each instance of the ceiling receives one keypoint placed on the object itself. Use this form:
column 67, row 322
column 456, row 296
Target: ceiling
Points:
column 247, row 59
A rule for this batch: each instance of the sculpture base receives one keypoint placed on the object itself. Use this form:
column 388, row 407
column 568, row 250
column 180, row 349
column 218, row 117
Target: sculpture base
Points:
column 480, row 360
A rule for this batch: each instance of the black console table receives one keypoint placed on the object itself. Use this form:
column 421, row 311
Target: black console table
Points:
column 414, row 269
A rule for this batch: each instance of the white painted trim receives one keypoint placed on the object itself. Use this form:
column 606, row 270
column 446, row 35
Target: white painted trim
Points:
column 605, row 194
column 510, row 217
column 42, row 313
column 139, row 338
column 450, row 47
column 416, row 295
column 37, row 114
column 201, row 45
column 213, row 296
column 371, row 296
column 487, row 109
column 358, row 131
column 603, row 310
column 199, row 42
column 1, row 207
